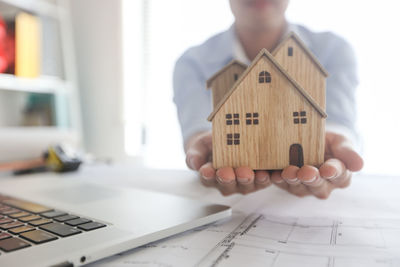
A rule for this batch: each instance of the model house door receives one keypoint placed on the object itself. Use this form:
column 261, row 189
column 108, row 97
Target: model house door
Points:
column 296, row 155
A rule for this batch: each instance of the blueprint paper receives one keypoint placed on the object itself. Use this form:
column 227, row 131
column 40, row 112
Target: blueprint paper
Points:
column 266, row 240
column 359, row 226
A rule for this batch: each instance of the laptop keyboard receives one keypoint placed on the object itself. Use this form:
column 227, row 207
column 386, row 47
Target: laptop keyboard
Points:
column 24, row 224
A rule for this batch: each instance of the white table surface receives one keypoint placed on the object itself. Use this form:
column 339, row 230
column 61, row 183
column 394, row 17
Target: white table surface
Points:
column 369, row 196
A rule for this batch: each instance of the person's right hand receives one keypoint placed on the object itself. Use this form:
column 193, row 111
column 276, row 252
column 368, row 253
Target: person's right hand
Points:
column 227, row 180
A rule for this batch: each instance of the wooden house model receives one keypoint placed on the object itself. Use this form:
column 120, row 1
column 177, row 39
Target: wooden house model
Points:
column 303, row 66
column 223, row 80
column 272, row 114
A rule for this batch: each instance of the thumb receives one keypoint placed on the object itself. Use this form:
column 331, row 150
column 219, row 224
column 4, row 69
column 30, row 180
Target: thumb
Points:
column 198, row 152
column 343, row 150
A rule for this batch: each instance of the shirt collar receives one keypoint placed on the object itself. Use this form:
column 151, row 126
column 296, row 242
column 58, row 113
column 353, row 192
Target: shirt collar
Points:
column 238, row 50
column 223, row 53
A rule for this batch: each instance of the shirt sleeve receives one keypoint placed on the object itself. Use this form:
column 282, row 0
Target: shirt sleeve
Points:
column 341, row 85
column 192, row 99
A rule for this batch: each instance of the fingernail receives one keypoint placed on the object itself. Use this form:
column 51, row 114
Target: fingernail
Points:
column 243, row 180
column 261, row 179
column 279, row 181
column 207, row 178
column 331, row 177
column 292, row 180
column 222, row 181
column 311, row 180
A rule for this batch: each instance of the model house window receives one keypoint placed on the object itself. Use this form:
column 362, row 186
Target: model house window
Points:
column 233, row 139
column 290, row 51
column 264, row 77
column 235, row 76
column 252, row 118
column 299, row 117
column 232, row 118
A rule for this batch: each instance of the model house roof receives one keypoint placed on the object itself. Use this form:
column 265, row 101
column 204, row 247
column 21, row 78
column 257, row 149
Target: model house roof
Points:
column 265, row 53
column 233, row 62
column 297, row 39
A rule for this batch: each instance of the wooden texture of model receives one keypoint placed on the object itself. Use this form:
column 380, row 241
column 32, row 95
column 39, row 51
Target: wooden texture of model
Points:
column 267, row 120
column 223, row 80
column 303, row 66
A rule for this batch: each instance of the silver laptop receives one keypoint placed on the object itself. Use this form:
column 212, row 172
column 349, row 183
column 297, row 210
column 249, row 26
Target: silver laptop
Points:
column 48, row 221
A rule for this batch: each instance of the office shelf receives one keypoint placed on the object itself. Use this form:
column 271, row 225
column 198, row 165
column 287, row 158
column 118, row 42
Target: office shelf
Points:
column 39, row 7
column 54, row 93
column 43, row 84
column 33, row 141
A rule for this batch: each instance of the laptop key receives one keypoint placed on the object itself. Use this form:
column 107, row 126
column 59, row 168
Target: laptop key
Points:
column 21, row 229
column 29, row 218
column 3, row 197
column 38, row 236
column 6, row 220
column 77, row 221
column 60, row 229
column 11, row 225
column 4, row 235
column 11, row 244
column 19, row 214
column 4, row 208
column 65, row 218
column 40, row 222
column 10, row 211
column 52, row 214
column 27, row 206
column 91, row 226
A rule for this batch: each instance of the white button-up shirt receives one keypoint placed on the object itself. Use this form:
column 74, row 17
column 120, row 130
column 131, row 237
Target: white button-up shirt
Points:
column 199, row 63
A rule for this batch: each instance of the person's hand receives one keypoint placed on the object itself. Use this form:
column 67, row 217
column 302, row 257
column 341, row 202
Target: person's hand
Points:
column 227, row 180
column 340, row 161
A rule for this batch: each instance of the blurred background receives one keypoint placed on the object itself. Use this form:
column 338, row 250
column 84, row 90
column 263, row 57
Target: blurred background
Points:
column 99, row 73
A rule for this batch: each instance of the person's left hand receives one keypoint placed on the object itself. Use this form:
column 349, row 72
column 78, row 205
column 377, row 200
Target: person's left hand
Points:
column 340, row 161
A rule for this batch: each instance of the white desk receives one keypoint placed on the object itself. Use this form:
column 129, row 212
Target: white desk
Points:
column 370, row 201
column 367, row 195
column 358, row 226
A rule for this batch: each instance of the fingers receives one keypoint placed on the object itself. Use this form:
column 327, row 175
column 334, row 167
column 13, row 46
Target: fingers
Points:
column 226, row 180
column 199, row 151
column 207, row 174
column 277, row 179
column 262, row 179
column 334, row 171
column 295, row 185
column 289, row 174
column 350, row 158
column 310, row 177
column 239, row 180
column 342, row 149
column 302, row 181
column 298, row 181
column 245, row 179
column 309, row 180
